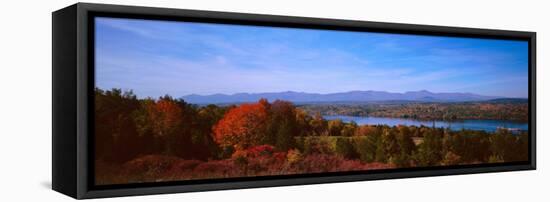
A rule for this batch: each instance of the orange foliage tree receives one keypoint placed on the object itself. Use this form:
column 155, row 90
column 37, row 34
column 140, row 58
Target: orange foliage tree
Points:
column 168, row 116
column 163, row 119
column 242, row 126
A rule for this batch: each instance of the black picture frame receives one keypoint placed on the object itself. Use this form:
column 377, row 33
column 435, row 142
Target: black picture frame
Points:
column 73, row 85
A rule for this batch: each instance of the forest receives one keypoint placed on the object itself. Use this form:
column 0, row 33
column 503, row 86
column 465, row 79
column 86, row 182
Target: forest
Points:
column 500, row 109
column 168, row 139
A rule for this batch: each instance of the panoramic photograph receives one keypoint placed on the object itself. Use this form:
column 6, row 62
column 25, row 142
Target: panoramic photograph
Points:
column 177, row 101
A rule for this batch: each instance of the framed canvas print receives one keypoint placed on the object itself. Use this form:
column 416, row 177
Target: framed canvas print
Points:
column 153, row 100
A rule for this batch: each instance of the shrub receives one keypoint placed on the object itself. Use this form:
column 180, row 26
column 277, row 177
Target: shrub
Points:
column 212, row 169
column 261, row 150
column 252, row 152
column 293, row 156
column 495, row 159
column 150, row 164
column 148, row 168
column 185, row 165
column 299, row 143
column 182, row 169
column 317, row 163
column 241, row 162
column 451, row 159
column 226, row 152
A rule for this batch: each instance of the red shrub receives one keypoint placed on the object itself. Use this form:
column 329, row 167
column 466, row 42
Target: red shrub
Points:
column 254, row 152
column 316, row 163
column 150, row 164
column 259, row 161
column 215, row 169
column 262, row 150
column 279, row 156
column 185, row 165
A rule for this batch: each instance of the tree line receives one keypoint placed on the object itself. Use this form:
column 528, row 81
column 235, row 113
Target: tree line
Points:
column 127, row 128
column 496, row 110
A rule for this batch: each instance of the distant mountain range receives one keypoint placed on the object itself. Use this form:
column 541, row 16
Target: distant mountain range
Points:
column 351, row 96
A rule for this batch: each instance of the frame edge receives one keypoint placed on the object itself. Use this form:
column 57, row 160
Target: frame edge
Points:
column 84, row 191
column 64, row 145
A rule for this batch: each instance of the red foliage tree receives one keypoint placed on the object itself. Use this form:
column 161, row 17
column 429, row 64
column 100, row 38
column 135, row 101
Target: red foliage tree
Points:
column 242, row 126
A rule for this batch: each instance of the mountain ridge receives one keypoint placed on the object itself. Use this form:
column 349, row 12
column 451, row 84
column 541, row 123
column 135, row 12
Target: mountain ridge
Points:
column 348, row 96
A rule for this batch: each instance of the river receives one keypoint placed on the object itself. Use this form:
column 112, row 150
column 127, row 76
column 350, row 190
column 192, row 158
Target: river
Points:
column 472, row 124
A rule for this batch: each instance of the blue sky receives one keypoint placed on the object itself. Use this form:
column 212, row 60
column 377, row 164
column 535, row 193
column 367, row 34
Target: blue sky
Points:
column 155, row 58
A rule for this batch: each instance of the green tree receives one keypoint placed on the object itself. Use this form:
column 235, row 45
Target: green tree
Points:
column 344, row 148
column 406, row 147
column 164, row 120
column 380, row 154
column 429, row 151
column 509, row 147
column 285, row 136
column 115, row 130
column 366, row 146
column 282, row 125
column 389, row 140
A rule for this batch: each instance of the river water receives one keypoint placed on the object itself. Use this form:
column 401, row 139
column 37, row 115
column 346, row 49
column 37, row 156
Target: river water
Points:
column 486, row 125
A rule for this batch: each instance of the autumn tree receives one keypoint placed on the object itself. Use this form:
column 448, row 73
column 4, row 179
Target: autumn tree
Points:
column 366, row 143
column 282, row 125
column 363, row 130
column 202, row 139
column 509, row 147
column 115, row 131
column 406, row 146
column 211, row 114
column 242, row 126
column 389, row 141
column 335, row 127
column 380, row 154
column 349, row 129
column 318, row 124
column 164, row 120
column 302, row 121
column 344, row 148
column 429, row 151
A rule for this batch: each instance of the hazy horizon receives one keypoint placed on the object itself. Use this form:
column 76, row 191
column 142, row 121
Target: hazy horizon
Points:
column 191, row 94
column 154, row 58
column 336, row 92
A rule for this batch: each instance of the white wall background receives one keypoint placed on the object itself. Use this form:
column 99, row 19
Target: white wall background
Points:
column 25, row 99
